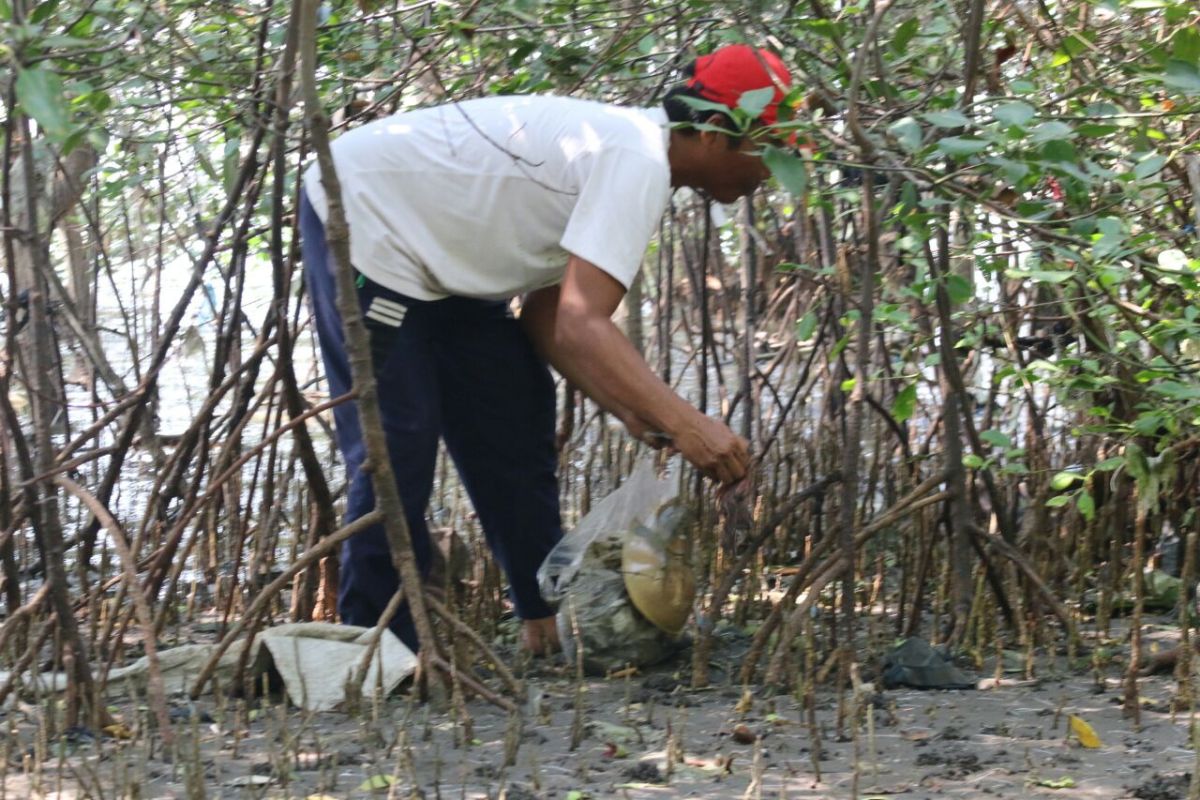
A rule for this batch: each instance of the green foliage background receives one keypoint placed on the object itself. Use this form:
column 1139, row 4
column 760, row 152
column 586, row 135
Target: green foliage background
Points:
column 1045, row 151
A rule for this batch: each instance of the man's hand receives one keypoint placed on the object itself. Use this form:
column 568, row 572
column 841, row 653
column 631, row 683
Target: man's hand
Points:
column 712, row 448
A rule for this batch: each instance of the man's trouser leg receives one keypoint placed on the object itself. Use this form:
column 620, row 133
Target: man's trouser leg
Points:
column 408, row 392
column 498, row 419
column 463, row 365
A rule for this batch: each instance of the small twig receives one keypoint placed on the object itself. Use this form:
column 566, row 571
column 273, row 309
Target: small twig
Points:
column 460, row 627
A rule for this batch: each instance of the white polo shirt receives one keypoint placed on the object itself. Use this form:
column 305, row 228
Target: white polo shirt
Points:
column 486, row 198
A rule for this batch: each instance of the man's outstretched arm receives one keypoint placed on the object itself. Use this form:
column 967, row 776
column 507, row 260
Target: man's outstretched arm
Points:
column 571, row 326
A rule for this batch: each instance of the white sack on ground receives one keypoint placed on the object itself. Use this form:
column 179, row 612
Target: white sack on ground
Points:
column 313, row 658
column 316, row 658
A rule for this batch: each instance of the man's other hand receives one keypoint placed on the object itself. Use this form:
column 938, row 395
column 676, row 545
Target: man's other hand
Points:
column 719, row 453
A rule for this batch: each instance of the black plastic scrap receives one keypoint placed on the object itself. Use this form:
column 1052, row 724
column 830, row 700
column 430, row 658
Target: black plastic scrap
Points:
column 915, row 664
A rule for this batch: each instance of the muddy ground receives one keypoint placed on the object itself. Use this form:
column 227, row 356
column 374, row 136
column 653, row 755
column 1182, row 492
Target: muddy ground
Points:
column 1005, row 742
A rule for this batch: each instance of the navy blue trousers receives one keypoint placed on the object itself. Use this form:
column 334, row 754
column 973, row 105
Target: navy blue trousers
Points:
column 460, row 369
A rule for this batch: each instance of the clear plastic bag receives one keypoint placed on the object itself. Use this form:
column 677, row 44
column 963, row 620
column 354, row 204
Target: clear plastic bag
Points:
column 612, row 633
column 635, row 502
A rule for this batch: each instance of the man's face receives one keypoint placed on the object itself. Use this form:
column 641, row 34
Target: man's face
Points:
column 733, row 172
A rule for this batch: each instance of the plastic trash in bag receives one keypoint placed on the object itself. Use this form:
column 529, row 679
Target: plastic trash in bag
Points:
column 584, row 573
column 657, row 571
column 637, row 500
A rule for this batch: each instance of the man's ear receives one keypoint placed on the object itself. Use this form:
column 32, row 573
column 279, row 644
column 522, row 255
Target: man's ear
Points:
column 710, row 137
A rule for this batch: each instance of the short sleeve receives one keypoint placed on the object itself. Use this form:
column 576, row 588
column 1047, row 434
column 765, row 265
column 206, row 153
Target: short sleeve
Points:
column 621, row 200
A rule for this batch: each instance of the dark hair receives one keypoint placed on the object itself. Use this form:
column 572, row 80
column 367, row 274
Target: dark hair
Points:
column 684, row 115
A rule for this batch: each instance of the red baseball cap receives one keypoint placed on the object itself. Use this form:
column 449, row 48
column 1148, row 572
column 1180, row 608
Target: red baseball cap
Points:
column 727, row 73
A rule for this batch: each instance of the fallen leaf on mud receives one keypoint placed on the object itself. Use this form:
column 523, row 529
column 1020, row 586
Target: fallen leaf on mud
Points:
column 376, row 782
column 618, row 674
column 250, row 780
column 612, row 733
column 1065, row 782
column 117, row 730
column 575, row 794
column 1085, row 732
column 743, row 735
column 720, row 764
column 746, row 703
column 916, row 734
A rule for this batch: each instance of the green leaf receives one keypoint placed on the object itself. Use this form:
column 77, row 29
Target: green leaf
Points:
column 1093, row 130
column 205, row 162
column 1149, row 165
column 40, row 94
column 904, row 34
column 806, row 327
column 43, row 11
column 962, row 146
column 907, row 132
column 1050, row 131
column 1059, row 501
column 824, row 27
column 972, row 461
column 1185, row 45
column 755, row 101
column 1043, row 275
column 996, row 438
column 788, row 169
column 1086, row 505
column 948, row 118
column 1064, row 480
column 1136, row 463
column 1176, row 390
column 959, row 289
column 1059, row 150
column 1183, row 76
column 1065, row 782
column 1109, row 464
column 1112, row 236
column 848, row 384
column 1014, row 171
column 376, row 782
column 700, row 104
column 1016, row 113
column 905, row 403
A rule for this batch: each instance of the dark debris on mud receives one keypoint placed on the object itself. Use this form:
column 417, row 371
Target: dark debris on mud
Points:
column 955, row 761
column 1164, row 787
